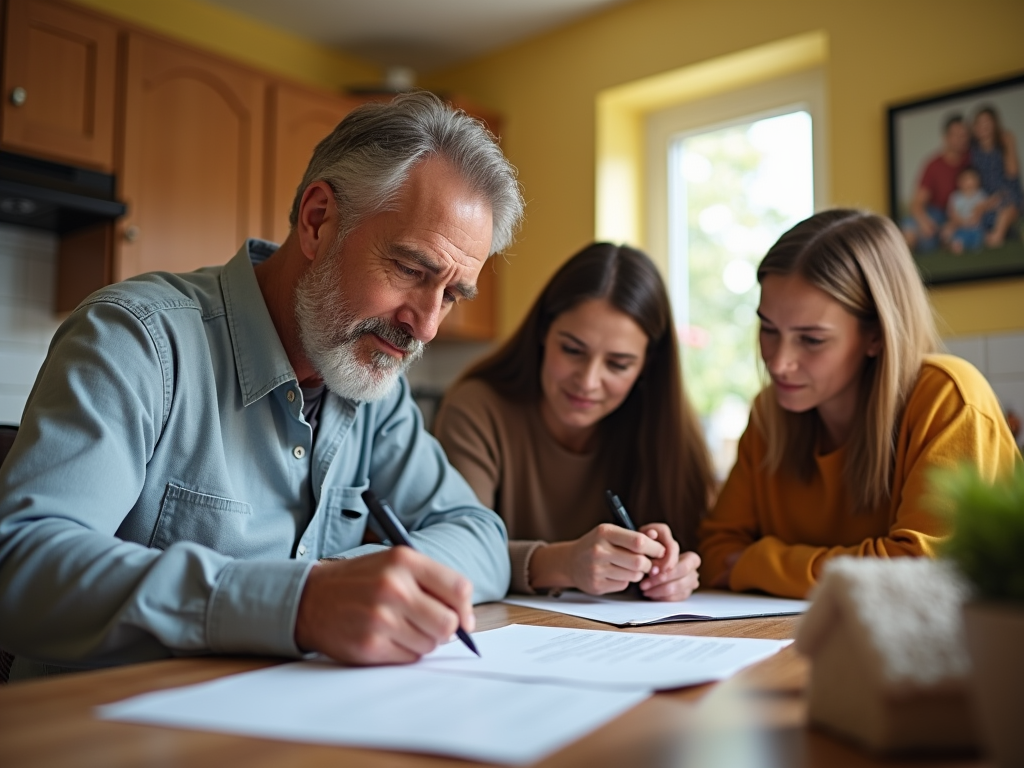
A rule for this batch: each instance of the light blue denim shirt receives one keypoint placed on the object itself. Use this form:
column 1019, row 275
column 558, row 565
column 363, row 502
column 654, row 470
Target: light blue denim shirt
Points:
column 157, row 498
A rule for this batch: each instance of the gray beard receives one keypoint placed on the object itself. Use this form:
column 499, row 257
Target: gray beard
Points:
column 330, row 332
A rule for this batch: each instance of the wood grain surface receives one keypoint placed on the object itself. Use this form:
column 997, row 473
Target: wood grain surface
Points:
column 756, row 719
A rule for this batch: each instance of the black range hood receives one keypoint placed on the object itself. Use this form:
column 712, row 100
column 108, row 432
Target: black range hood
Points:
column 55, row 197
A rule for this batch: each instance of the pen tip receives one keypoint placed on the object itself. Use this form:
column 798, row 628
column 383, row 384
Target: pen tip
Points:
column 467, row 640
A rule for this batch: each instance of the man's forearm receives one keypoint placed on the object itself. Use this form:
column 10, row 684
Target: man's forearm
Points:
column 80, row 598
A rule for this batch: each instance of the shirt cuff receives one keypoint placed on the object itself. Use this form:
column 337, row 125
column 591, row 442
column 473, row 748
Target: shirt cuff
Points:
column 520, row 553
column 254, row 606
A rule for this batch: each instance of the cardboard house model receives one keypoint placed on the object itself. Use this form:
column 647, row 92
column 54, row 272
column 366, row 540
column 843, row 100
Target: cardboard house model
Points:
column 889, row 666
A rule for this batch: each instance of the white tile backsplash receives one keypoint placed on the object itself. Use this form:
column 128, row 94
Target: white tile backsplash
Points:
column 12, row 275
column 27, row 267
column 971, row 349
column 1000, row 357
column 19, row 365
column 1010, row 392
column 1005, row 354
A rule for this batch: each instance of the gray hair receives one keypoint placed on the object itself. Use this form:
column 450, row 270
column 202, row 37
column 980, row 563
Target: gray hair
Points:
column 368, row 156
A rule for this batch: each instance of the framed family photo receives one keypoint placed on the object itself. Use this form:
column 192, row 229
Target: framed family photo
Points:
column 955, row 181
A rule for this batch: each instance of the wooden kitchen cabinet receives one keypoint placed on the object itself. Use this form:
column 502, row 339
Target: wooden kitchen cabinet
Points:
column 206, row 152
column 59, row 83
column 297, row 120
column 192, row 158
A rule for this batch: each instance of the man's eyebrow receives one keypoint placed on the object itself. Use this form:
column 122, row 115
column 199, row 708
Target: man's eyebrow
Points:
column 465, row 290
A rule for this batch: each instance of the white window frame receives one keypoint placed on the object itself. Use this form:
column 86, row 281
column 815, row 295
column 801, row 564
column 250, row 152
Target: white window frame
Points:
column 803, row 90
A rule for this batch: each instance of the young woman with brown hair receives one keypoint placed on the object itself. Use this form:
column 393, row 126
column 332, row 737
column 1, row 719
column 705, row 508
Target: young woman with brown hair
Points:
column 586, row 396
column 858, row 410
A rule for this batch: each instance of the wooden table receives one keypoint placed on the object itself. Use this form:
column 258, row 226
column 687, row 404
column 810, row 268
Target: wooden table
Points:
column 756, row 719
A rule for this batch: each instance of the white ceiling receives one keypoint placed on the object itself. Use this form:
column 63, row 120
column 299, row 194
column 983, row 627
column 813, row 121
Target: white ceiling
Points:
column 422, row 34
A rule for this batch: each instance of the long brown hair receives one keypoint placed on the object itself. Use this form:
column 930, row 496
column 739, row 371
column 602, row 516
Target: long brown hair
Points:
column 998, row 135
column 862, row 261
column 652, row 444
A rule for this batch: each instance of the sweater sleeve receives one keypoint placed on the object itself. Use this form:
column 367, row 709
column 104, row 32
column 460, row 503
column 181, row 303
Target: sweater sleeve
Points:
column 469, row 431
column 732, row 525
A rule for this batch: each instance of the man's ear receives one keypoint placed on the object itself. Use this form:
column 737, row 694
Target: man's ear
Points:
column 318, row 219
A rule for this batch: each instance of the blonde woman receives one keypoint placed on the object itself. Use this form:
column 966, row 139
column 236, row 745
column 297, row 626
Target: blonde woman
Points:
column 858, row 409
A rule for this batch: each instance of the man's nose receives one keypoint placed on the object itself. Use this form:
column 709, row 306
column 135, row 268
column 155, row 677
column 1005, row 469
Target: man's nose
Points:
column 422, row 314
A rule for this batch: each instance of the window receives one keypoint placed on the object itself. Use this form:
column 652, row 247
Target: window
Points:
column 733, row 182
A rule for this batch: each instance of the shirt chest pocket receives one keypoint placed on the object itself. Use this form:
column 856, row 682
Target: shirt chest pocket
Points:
column 345, row 519
column 224, row 525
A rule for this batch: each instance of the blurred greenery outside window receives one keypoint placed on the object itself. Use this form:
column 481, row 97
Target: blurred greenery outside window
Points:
column 732, row 190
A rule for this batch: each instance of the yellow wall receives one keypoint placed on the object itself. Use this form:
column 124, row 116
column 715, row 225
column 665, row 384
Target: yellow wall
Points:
column 880, row 52
column 243, row 39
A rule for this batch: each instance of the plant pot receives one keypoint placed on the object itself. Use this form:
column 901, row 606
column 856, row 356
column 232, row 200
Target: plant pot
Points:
column 995, row 641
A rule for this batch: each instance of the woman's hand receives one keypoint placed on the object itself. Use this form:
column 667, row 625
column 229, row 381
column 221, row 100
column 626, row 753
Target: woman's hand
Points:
column 606, row 559
column 674, row 575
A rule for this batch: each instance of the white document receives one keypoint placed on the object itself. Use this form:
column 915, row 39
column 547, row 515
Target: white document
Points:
column 397, row 708
column 602, row 659
column 624, row 611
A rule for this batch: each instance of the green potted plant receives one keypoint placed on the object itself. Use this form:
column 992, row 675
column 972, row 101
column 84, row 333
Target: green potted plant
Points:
column 987, row 547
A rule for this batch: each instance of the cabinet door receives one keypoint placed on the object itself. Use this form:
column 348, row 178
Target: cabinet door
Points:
column 59, row 84
column 298, row 120
column 191, row 171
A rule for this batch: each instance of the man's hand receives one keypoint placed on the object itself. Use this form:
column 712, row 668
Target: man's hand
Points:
column 673, row 576
column 386, row 608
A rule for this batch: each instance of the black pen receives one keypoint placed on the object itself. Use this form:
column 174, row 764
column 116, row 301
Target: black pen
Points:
column 619, row 513
column 622, row 518
column 394, row 530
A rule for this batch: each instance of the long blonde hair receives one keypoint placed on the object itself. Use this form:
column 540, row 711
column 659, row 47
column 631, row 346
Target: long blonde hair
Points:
column 860, row 260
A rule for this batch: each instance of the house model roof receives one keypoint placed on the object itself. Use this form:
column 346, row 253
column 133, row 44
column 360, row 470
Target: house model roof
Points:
column 903, row 615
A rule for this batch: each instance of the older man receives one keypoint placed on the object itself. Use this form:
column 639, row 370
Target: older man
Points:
column 188, row 472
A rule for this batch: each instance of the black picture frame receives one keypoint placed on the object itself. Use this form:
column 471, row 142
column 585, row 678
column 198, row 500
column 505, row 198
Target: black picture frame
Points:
column 916, row 136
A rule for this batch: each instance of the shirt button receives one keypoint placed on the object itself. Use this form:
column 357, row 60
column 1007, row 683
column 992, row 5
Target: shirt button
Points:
column 291, row 395
column 302, row 550
column 298, row 451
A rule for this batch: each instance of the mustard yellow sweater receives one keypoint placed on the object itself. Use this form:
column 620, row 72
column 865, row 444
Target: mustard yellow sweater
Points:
column 787, row 529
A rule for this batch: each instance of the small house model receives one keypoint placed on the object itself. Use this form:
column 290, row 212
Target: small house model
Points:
column 889, row 665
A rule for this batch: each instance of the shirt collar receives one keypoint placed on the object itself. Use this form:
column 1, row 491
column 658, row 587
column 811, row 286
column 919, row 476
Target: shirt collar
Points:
column 261, row 362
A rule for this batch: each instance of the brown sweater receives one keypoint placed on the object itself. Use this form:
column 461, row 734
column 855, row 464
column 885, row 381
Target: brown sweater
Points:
column 542, row 491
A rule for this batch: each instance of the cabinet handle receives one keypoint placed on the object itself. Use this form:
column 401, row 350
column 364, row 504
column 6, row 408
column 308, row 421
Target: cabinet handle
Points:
column 19, row 96
column 131, row 233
